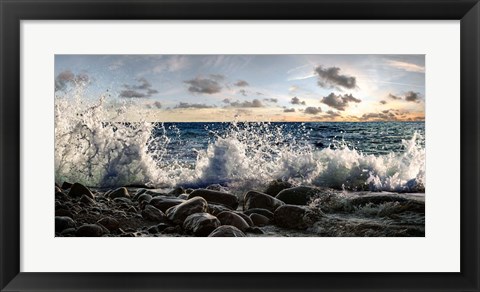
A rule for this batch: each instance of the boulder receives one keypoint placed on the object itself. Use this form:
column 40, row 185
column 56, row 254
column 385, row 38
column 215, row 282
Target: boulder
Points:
column 177, row 191
column 293, row 217
column 227, row 231
column 230, row 218
column 177, row 214
column 90, row 230
column 87, row 200
column 118, row 193
column 151, row 213
column 201, row 224
column 144, row 198
column 216, row 197
column 77, row 190
column 66, row 185
column 255, row 199
column 259, row 220
column 245, row 217
column 63, row 222
column 276, row 187
column 298, row 195
column 110, row 223
column 163, row 203
column 216, row 209
column 263, row 212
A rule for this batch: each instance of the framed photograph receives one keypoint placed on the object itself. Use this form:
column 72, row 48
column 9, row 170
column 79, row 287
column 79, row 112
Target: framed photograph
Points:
column 237, row 145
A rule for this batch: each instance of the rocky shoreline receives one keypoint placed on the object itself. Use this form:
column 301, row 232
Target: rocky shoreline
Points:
column 280, row 210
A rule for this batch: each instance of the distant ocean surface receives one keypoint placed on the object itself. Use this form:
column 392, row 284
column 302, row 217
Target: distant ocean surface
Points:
column 373, row 156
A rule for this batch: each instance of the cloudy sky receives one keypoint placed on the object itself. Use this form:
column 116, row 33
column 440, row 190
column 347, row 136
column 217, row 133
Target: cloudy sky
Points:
column 252, row 87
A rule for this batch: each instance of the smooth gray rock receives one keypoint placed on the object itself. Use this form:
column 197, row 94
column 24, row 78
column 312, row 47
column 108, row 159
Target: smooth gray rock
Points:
column 177, row 214
column 298, row 195
column 255, row 199
column 230, row 218
column 227, row 231
column 201, row 224
column 216, row 197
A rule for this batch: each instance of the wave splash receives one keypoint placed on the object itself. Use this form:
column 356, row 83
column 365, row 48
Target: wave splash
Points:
column 92, row 150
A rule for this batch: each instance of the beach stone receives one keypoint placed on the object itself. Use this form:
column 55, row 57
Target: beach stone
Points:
column 60, row 196
column 183, row 196
column 151, row 213
column 245, row 217
column 255, row 230
column 68, row 232
column 63, row 222
column 144, row 198
column 66, row 185
column 230, row 218
column 298, row 195
column 276, row 186
column 216, row 209
column 293, row 217
column 255, row 199
column 122, row 200
column 177, row 191
column 163, row 203
column 177, row 214
column 259, row 220
column 63, row 213
column 87, row 200
column 110, row 223
column 77, row 190
column 119, row 193
column 260, row 211
column 138, row 193
column 216, row 197
column 201, row 224
column 227, row 231
column 90, row 230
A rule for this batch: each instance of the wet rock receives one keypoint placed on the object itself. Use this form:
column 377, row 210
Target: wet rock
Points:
column 377, row 200
column 227, row 231
column 263, row 212
column 110, row 223
column 163, row 203
column 255, row 199
column 151, row 213
column 216, row 209
column 87, row 200
column 172, row 229
column 230, row 218
column 298, row 195
column 77, row 190
column 177, row 191
column 255, row 230
column 118, row 193
column 66, row 185
column 63, row 212
column 122, row 200
column 216, row 197
column 201, row 224
column 259, row 220
column 90, row 230
column 144, row 198
column 61, row 196
column 293, row 217
column 183, row 196
column 245, row 217
column 179, row 213
column 69, row 232
column 63, row 222
column 276, row 187
column 153, row 229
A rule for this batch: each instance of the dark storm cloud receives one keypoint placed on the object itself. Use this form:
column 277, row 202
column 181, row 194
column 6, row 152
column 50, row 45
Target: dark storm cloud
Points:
column 385, row 115
column 141, row 90
column 193, row 105
column 289, row 110
column 383, row 102
column 67, row 77
column 243, row 92
column 332, row 113
column 339, row 102
column 392, row 96
column 296, row 100
column 312, row 110
column 241, row 83
column 412, row 96
column 253, row 103
column 157, row 104
column 204, row 85
column 409, row 96
column 226, row 100
column 331, row 78
column 274, row 100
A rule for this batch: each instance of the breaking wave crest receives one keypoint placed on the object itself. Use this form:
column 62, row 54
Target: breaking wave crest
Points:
column 91, row 149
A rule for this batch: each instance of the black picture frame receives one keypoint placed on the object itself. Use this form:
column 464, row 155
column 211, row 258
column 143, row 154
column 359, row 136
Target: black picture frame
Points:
column 13, row 11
